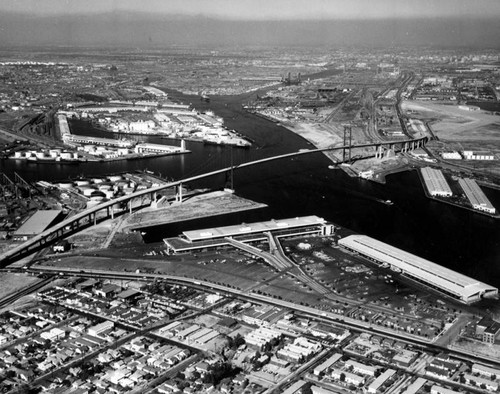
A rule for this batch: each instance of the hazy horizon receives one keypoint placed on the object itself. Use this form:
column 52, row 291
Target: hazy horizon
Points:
column 157, row 23
column 142, row 29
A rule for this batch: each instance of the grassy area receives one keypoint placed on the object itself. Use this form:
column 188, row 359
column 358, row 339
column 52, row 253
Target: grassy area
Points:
column 10, row 282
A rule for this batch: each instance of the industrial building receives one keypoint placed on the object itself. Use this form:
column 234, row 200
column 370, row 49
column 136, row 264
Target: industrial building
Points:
column 435, row 183
column 444, row 280
column 218, row 236
column 476, row 196
column 36, row 224
column 147, row 147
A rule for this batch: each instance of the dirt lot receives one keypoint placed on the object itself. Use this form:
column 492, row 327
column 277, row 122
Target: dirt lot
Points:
column 450, row 122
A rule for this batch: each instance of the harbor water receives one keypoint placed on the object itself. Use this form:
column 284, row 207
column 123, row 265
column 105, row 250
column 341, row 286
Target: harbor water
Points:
column 456, row 238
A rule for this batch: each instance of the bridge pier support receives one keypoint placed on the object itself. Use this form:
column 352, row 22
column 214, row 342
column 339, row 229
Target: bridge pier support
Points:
column 380, row 152
column 178, row 195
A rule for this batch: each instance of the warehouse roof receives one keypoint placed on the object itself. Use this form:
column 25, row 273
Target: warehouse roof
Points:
column 435, row 275
column 38, row 223
column 251, row 228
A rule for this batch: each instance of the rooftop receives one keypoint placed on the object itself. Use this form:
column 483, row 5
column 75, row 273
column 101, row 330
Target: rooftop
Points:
column 258, row 227
column 434, row 274
column 39, row 222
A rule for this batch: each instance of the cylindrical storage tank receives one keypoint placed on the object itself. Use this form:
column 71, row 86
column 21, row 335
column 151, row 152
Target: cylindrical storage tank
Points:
column 54, row 153
column 40, row 155
column 66, row 185
column 18, row 154
column 87, row 191
column 67, row 156
column 104, row 187
column 82, row 183
column 97, row 180
column 75, row 155
column 115, row 178
column 109, row 194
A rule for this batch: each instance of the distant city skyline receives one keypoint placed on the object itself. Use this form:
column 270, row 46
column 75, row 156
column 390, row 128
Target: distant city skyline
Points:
column 158, row 23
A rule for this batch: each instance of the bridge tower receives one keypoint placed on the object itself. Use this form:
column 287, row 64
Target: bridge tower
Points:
column 229, row 184
column 346, row 153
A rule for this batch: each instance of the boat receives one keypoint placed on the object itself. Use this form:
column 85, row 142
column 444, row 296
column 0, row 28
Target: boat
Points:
column 388, row 202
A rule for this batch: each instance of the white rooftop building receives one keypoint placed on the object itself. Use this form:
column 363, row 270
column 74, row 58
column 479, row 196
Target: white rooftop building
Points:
column 435, row 182
column 444, row 280
column 476, row 196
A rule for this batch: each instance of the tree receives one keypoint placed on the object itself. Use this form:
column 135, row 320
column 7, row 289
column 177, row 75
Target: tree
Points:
column 342, row 377
column 239, row 340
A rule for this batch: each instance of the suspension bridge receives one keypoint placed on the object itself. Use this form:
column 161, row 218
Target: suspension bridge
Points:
column 109, row 209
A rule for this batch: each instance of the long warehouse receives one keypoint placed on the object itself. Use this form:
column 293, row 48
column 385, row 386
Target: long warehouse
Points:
column 435, row 182
column 476, row 196
column 444, row 280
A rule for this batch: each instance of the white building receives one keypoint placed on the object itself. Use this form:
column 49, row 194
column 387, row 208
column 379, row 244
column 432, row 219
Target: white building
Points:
column 350, row 378
column 415, row 386
column 98, row 329
column 435, row 183
column 327, row 364
column 471, row 155
column 479, row 381
column 485, row 370
column 375, row 386
column 444, row 280
column 361, row 368
column 54, row 334
column 451, row 155
column 442, row 390
column 476, row 196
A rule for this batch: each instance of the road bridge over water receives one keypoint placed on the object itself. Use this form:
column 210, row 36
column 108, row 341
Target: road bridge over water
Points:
column 90, row 215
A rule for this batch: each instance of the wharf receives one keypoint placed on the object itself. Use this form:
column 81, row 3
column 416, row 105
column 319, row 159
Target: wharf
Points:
column 201, row 206
column 452, row 203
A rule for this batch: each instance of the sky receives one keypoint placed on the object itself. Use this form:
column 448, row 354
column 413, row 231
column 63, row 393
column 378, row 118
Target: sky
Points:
column 250, row 22
column 263, row 9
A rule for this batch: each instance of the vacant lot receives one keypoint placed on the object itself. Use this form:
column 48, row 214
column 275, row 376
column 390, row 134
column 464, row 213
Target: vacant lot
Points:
column 450, row 122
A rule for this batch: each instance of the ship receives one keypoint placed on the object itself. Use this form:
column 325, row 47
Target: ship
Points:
column 204, row 97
